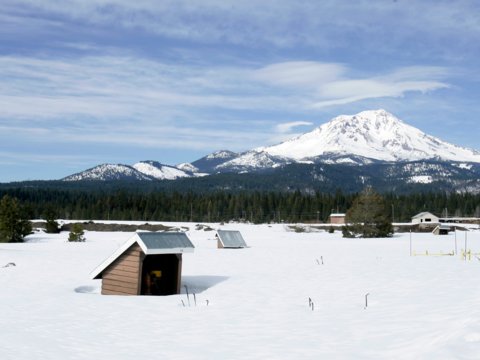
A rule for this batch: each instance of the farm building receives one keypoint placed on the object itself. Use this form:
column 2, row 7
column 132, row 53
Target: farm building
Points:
column 149, row 263
column 230, row 239
column 425, row 217
column 337, row 218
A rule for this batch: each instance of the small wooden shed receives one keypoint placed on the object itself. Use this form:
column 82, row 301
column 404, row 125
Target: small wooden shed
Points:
column 230, row 239
column 149, row 263
column 337, row 218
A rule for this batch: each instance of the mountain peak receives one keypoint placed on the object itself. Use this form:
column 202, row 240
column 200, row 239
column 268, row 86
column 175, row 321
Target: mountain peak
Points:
column 108, row 172
column 374, row 134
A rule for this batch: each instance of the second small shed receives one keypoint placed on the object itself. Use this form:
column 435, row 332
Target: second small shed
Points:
column 230, row 239
column 337, row 218
column 149, row 263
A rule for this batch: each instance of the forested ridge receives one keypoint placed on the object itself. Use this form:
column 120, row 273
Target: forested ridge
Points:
column 254, row 206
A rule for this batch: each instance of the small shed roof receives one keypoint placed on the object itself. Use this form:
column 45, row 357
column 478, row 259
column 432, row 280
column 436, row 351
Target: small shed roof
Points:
column 164, row 243
column 337, row 215
column 151, row 243
column 441, row 229
column 231, row 238
column 422, row 214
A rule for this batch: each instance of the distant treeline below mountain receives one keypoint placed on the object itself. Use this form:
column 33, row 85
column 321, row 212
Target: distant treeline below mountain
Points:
column 254, row 206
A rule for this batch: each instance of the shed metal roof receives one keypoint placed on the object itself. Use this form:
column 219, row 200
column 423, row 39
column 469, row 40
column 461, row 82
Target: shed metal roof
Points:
column 151, row 243
column 231, row 239
column 164, row 241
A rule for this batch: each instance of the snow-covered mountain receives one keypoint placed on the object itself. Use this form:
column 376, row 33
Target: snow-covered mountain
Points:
column 187, row 167
column 143, row 170
column 160, row 171
column 208, row 164
column 374, row 134
column 108, row 172
column 372, row 139
column 251, row 161
column 367, row 137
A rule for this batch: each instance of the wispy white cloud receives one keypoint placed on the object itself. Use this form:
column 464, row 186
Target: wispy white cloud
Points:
column 300, row 73
column 147, row 103
column 106, row 86
column 287, row 127
column 379, row 25
column 331, row 84
column 9, row 158
column 349, row 91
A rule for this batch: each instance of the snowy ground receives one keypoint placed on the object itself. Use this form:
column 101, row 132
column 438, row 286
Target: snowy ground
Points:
column 419, row 307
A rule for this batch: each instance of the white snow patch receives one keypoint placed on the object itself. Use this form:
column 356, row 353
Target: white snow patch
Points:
column 420, row 179
column 465, row 166
column 419, row 307
column 162, row 172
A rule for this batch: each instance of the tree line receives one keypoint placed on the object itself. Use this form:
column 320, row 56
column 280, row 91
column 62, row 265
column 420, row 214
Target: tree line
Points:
column 253, row 206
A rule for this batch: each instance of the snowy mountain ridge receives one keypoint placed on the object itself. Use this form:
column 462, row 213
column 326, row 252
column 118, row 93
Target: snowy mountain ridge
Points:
column 369, row 137
column 160, row 171
column 108, row 172
column 142, row 170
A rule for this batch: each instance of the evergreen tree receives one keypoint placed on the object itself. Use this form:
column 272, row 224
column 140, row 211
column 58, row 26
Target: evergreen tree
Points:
column 51, row 226
column 368, row 217
column 76, row 234
column 14, row 224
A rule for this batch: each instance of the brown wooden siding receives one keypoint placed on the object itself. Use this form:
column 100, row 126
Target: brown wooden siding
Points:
column 337, row 220
column 122, row 277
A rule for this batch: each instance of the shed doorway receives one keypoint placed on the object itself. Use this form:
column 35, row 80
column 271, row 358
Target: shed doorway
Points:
column 161, row 274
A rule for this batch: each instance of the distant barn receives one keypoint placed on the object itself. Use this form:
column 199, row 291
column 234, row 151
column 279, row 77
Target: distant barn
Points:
column 425, row 218
column 337, row 218
column 149, row 263
column 230, row 239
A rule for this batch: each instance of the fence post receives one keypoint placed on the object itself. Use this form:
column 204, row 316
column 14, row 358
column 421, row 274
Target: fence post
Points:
column 410, row 242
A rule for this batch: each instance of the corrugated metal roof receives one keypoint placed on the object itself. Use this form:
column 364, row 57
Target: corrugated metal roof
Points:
column 165, row 240
column 231, row 238
column 151, row 243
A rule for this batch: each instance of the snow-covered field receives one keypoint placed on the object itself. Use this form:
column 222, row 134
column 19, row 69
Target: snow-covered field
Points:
column 419, row 307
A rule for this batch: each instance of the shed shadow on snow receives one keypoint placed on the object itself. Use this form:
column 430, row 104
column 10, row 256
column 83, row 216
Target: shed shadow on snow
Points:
column 198, row 284
column 87, row 290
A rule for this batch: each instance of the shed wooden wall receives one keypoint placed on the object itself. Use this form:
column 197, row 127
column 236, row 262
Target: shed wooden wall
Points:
column 337, row 219
column 123, row 276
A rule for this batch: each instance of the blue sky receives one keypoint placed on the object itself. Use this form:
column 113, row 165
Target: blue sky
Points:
column 85, row 82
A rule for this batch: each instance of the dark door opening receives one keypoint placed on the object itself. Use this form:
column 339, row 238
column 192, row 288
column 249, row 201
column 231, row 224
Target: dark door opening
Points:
column 160, row 274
